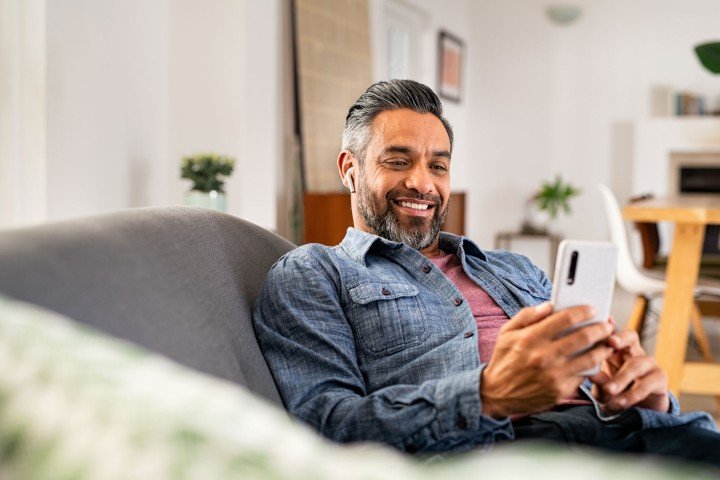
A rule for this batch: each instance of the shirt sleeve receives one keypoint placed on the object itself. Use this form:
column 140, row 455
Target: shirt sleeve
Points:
column 310, row 349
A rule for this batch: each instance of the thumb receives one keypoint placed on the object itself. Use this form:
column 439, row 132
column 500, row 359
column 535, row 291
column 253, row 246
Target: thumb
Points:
column 528, row 316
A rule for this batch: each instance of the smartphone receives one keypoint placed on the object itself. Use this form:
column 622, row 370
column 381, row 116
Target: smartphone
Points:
column 585, row 275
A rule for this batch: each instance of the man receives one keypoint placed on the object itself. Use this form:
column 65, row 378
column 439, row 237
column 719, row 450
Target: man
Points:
column 419, row 339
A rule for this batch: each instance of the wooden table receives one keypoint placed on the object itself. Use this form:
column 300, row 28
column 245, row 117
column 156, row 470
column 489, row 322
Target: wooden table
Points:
column 690, row 214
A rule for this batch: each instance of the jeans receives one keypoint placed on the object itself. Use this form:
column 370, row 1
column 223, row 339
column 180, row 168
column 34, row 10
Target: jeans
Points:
column 578, row 425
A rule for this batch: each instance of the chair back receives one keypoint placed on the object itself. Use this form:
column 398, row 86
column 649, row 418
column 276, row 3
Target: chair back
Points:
column 628, row 276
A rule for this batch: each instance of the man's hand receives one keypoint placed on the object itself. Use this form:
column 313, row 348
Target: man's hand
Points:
column 629, row 377
column 535, row 364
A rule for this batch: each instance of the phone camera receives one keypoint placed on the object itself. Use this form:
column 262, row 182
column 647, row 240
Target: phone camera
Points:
column 573, row 267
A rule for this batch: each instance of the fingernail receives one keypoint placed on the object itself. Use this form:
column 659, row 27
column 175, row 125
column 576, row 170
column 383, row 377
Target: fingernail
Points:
column 621, row 402
column 542, row 307
column 611, row 387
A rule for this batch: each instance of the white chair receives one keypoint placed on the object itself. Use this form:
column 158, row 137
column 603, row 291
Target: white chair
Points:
column 643, row 285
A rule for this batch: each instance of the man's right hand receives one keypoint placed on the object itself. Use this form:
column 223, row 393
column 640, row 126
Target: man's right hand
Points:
column 533, row 367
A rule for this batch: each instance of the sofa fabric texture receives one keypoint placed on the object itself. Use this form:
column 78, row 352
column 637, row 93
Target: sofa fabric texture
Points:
column 177, row 280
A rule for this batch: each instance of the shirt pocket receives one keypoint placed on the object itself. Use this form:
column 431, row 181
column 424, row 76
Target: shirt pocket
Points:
column 388, row 317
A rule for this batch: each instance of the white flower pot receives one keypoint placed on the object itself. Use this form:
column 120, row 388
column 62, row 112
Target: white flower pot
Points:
column 212, row 200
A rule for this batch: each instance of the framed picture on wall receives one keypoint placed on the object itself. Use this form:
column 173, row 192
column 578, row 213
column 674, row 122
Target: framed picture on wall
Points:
column 450, row 49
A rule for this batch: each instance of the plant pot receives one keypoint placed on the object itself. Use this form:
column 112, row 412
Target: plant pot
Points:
column 213, row 200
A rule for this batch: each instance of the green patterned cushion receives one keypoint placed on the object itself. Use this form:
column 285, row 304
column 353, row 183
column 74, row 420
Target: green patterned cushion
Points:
column 75, row 404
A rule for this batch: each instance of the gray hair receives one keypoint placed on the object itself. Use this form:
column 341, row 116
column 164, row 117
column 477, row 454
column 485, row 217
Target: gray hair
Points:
column 383, row 96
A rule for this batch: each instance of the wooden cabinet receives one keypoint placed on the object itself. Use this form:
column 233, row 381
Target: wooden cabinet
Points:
column 327, row 216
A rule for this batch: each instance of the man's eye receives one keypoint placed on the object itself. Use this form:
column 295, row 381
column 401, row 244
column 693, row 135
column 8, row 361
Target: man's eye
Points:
column 396, row 163
column 439, row 167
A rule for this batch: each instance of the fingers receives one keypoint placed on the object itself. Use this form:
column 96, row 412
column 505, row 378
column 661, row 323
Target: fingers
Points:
column 630, row 371
column 627, row 339
column 582, row 338
column 588, row 360
column 528, row 316
column 652, row 384
column 600, row 379
column 564, row 321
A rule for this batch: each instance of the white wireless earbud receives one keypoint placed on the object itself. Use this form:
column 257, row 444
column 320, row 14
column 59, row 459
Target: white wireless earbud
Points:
column 349, row 179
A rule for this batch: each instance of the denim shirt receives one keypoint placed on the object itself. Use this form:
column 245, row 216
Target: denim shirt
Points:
column 369, row 341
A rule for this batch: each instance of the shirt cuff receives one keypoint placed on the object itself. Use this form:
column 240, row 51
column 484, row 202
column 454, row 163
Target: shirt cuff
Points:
column 674, row 404
column 460, row 407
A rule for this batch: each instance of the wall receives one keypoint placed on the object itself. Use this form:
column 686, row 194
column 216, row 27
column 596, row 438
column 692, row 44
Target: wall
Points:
column 22, row 112
column 135, row 85
column 106, row 121
column 549, row 99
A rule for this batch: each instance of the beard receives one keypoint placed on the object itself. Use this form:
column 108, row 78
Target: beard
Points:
column 416, row 232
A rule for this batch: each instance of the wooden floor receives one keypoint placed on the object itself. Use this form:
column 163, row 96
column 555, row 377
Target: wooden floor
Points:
column 622, row 306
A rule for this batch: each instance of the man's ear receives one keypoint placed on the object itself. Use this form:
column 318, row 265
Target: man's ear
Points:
column 346, row 163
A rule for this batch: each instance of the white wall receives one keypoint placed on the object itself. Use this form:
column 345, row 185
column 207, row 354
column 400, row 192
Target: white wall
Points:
column 135, row 85
column 22, row 112
column 106, row 119
column 549, row 99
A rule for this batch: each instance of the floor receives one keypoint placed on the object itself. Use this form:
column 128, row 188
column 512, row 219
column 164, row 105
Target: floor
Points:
column 622, row 306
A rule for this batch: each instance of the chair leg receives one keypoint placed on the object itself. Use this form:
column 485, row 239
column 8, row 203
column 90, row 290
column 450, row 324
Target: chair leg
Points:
column 701, row 335
column 703, row 341
column 637, row 317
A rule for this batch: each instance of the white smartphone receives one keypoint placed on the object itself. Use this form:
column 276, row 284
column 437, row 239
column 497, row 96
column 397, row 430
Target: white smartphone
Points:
column 585, row 275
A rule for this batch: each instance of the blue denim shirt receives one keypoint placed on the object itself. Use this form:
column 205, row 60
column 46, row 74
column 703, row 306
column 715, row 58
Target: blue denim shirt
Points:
column 368, row 340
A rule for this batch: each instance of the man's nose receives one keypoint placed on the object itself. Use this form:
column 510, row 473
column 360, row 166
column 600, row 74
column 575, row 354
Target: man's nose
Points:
column 420, row 179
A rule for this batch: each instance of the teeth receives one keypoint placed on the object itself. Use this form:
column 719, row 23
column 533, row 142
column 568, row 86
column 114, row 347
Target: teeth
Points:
column 416, row 206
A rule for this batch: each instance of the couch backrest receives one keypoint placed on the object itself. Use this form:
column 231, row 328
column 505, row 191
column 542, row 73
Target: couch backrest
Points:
column 180, row 281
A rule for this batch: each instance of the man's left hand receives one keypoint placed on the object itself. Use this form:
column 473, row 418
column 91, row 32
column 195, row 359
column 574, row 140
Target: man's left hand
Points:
column 629, row 377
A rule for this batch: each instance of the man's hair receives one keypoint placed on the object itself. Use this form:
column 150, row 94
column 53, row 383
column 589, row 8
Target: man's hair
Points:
column 384, row 96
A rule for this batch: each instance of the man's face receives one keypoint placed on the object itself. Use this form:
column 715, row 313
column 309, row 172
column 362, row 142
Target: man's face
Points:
column 403, row 186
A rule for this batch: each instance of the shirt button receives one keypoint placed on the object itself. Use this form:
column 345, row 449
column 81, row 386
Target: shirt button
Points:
column 385, row 291
column 469, row 334
column 458, row 301
column 426, row 268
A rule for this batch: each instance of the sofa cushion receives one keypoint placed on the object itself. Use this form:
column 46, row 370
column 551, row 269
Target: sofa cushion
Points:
column 180, row 281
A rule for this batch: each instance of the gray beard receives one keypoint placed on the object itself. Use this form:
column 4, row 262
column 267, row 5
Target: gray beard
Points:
column 383, row 220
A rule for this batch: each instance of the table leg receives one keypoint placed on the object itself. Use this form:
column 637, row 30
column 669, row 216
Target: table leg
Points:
column 682, row 272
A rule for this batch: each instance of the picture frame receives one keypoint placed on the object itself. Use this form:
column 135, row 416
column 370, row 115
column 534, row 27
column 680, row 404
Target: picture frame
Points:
column 450, row 66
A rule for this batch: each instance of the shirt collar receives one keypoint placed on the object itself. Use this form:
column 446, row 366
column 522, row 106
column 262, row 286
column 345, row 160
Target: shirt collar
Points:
column 357, row 244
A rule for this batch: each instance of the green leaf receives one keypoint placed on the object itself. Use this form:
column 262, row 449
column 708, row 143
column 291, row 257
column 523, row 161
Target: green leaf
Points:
column 207, row 171
column 709, row 56
column 555, row 196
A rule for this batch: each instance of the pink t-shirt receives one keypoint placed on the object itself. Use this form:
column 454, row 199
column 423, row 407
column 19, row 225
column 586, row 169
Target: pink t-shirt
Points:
column 489, row 317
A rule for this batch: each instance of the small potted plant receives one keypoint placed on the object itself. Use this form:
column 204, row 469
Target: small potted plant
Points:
column 543, row 208
column 207, row 172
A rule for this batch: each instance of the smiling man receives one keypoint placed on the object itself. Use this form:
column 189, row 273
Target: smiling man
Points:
column 417, row 338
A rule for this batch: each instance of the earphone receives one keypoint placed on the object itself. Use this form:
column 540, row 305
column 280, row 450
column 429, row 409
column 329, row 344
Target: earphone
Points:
column 349, row 179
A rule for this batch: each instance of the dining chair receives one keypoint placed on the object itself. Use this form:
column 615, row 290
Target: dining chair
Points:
column 645, row 286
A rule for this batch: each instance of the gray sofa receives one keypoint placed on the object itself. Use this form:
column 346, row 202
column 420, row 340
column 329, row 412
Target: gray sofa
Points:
column 177, row 280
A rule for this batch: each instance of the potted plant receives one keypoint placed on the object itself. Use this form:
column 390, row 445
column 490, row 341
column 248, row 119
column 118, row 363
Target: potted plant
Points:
column 543, row 208
column 207, row 172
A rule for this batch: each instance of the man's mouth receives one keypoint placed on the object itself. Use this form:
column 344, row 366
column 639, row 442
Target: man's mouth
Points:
column 422, row 208
column 414, row 206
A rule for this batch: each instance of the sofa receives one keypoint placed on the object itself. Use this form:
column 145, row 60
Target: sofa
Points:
column 179, row 281
column 127, row 351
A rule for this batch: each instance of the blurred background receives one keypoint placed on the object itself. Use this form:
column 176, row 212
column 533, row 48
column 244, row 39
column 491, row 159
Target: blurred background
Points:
column 100, row 99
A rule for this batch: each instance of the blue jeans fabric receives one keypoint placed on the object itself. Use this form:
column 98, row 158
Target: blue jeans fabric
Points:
column 578, row 425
